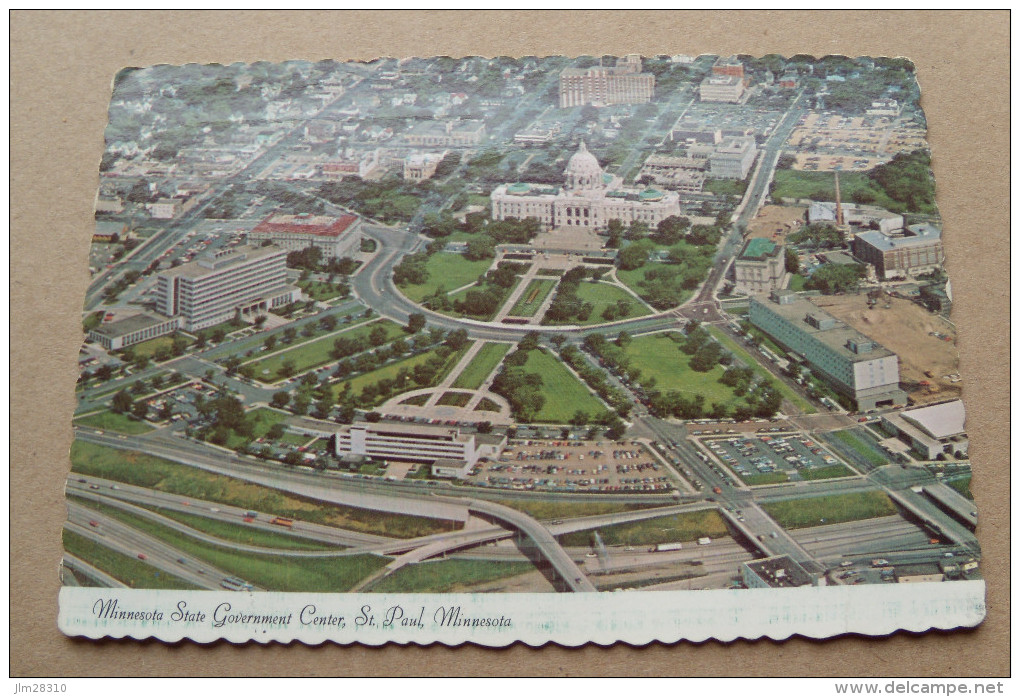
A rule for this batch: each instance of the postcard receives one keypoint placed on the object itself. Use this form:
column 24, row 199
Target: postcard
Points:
column 496, row 350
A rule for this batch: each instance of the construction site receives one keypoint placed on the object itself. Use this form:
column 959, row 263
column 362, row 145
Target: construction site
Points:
column 924, row 342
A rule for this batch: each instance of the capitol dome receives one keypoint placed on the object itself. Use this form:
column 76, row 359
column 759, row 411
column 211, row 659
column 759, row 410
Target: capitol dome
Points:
column 583, row 170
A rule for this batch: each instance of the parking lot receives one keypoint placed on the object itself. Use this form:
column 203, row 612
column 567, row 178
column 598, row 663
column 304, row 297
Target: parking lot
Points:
column 595, row 466
column 769, row 458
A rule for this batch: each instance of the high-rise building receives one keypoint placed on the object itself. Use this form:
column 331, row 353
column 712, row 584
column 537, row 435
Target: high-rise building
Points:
column 623, row 83
column 721, row 88
column 913, row 250
column 215, row 288
column 858, row 367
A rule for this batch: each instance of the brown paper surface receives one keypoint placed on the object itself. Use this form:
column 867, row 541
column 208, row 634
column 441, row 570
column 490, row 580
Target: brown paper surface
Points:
column 62, row 66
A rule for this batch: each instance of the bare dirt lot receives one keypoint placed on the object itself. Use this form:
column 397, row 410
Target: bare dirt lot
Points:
column 776, row 222
column 906, row 329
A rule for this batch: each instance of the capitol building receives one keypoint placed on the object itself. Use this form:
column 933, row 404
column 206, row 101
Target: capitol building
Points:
column 588, row 199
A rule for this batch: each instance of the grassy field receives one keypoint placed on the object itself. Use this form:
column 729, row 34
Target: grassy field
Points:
column 317, row 352
column 135, row 573
column 859, row 445
column 391, row 370
column 112, row 421
column 149, row 348
column 449, row 272
column 319, row 290
column 551, row 510
column 487, row 404
column 253, row 343
column 417, row 400
column 660, row 357
column 454, row 399
column 962, row 485
column 633, row 279
column 828, row 510
column 601, row 296
column 564, row 393
column 821, row 186
column 449, row 576
column 532, row 297
column 797, row 282
column 764, row 478
column 738, row 351
column 831, row 472
column 228, row 532
column 139, row 469
column 262, row 420
column 683, row 527
column 461, row 296
column 484, row 362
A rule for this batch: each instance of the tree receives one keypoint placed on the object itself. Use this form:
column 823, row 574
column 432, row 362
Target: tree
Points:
column 140, row 409
column 122, row 402
column 300, row 404
column 280, row 399
column 270, row 342
column 558, row 340
column 623, row 339
column 287, row 368
column 260, row 321
column 275, row 432
column 484, row 426
column 580, row 418
column 481, row 247
column 792, row 262
column 633, row 256
column 377, row 336
column 457, row 339
column 373, row 417
column 415, row 323
column 529, row 342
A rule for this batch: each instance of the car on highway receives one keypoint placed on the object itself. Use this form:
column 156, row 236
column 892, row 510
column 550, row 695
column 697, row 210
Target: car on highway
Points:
column 94, row 523
column 846, row 563
column 142, row 556
column 93, row 486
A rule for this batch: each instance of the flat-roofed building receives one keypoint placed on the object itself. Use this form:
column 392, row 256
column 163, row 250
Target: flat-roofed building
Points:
column 856, row 366
column 419, row 166
column 721, row 88
column 760, row 267
column 916, row 249
column 122, row 333
column 932, row 430
column 732, row 158
column 447, row 133
column 623, row 83
column 335, row 237
column 774, row 572
column 447, row 448
column 245, row 281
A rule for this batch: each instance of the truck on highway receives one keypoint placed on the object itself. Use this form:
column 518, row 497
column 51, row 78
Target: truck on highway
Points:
column 704, row 540
column 285, row 522
column 879, row 562
column 666, row 547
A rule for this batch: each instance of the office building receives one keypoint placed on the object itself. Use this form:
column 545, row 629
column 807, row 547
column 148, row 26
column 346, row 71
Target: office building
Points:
column 114, row 336
column 588, row 199
column 245, row 282
column 444, row 134
column 760, row 267
column 774, row 572
column 721, row 88
column 335, row 237
column 732, row 158
column 904, row 253
column 857, row 367
column 623, row 83
column 447, row 450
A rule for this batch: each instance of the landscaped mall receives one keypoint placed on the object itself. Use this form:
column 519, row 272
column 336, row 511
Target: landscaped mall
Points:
column 589, row 199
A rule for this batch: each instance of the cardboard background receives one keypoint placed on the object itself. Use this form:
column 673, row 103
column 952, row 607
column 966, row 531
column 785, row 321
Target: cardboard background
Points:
column 62, row 65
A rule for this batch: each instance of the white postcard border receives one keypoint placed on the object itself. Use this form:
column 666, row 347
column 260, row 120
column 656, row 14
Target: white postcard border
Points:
column 535, row 619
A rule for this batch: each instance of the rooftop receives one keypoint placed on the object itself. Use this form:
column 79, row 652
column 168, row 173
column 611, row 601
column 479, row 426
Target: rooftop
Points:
column 420, row 430
column 914, row 235
column 305, row 224
column 940, row 420
column 780, row 572
column 759, row 248
column 129, row 325
column 809, row 319
column 210, row 263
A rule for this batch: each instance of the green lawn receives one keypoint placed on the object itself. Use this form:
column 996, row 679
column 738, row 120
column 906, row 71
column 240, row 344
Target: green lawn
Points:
column 449, row 576
column 229, row 532
column 317, row 352
column 830, row 472
column 861, row 446
column 262, row 420
column 319, row 290
column 487, row 404
column 633, row 279
column 135, row 573
column 962, row 485
column 602, row 295
column 821, row 186
column 742, row 355
column 461, row 296
column 417, row 400
column 149, row 348
column 552, row 510
column 112, row 421
column 446, row 271
column 481, row 366
column 683, row 527
column 764, row 478
column 532, row 297
column 564, row 393
column 136, row 468
column 454, row 399
column 391, row 370
column 828, row 510
column 797, row 282
column 253, row 343
column 658, row 356
column 296, row 439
